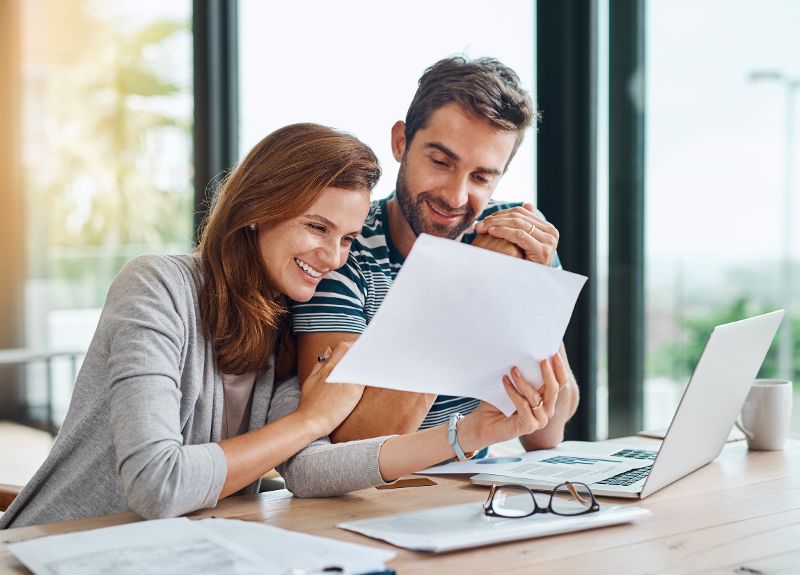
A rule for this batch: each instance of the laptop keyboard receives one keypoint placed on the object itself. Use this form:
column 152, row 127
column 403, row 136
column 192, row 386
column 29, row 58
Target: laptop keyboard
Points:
column 627, row 477
column 636, row 453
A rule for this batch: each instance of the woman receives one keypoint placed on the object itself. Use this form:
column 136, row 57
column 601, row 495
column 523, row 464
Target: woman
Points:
column 186, row 395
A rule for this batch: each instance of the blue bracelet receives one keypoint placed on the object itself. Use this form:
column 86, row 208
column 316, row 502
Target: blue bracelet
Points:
column 452, row 436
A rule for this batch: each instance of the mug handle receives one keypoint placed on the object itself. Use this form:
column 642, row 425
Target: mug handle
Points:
column 738, row 423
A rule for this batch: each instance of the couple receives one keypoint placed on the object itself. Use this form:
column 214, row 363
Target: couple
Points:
column 191, row 388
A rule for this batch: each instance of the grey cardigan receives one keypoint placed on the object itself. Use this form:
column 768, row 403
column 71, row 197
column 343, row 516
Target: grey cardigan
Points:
column 146, row 413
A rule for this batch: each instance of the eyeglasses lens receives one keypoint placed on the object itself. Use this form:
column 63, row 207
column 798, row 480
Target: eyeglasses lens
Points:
column 571, row 499
column 511, row 501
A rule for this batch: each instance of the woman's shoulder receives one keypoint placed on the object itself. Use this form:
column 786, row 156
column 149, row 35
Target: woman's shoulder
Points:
column 156, row 281
column 179, row 270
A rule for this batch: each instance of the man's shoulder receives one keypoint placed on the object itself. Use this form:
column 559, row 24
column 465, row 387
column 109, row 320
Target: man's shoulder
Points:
column 371, row 245
column 374, row 221
column 373, row 232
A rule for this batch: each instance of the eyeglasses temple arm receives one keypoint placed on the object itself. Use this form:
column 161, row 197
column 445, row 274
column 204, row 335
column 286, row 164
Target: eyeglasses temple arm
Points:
column 575, row 493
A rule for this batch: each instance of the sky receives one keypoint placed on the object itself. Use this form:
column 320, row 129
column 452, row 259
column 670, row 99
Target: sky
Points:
column 716, row 140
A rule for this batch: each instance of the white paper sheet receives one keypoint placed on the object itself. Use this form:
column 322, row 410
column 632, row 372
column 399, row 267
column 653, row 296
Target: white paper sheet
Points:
column 169, row 546
column 457, row 318
column 462, row 526
column 550, row 466
column 283, row 550
column 184, row 547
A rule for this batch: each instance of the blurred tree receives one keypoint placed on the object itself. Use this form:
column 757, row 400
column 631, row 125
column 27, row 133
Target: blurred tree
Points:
column 116, row 145
column 679, row 359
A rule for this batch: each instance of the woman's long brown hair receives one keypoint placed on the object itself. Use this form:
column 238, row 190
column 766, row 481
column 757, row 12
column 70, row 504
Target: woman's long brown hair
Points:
column 281, row 177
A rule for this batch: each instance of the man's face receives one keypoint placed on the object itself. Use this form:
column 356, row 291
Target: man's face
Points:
column 449, row 171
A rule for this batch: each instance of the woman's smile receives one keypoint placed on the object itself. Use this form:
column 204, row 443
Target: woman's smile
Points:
column 308, row 269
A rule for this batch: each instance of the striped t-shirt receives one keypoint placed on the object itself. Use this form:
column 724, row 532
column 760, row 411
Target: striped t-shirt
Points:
column 347, row 299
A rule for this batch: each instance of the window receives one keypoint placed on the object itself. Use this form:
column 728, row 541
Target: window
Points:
column 721, row 194
column 106, row 148
column 354, row 65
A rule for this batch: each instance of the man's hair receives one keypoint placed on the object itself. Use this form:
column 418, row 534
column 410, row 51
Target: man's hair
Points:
column 281, row 177
column 484, row 87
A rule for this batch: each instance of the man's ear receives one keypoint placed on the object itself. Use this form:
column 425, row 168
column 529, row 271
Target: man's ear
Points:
column 399, row 140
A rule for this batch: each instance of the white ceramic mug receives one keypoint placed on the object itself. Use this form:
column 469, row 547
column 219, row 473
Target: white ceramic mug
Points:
column 766, row 414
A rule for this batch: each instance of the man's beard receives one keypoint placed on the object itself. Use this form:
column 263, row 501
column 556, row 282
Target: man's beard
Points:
column 414, row 211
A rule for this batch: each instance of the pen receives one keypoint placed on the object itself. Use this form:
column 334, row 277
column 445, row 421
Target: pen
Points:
column 337, row 569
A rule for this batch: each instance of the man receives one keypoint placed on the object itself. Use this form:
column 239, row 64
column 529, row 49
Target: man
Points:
column 462, row 129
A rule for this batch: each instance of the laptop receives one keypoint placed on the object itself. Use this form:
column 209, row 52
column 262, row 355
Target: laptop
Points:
column 699, row 430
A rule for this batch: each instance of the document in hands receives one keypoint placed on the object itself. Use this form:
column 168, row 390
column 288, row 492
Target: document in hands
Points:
column 457, row 318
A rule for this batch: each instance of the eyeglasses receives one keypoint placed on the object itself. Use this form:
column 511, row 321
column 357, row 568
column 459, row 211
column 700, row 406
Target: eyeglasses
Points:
column 516, row 501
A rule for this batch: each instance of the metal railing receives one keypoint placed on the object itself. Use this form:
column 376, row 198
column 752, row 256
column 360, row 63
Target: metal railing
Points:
column 28, row 356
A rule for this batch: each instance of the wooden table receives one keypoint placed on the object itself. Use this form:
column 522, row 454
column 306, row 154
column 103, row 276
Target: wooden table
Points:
column 739, row 514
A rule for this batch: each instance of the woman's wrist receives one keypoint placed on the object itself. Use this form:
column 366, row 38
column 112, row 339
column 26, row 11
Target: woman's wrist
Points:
column 469, row 435
column 315, row 425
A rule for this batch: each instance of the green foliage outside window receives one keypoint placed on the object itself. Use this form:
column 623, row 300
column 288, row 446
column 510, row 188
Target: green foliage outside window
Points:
column 109, row 168
column 678, row 359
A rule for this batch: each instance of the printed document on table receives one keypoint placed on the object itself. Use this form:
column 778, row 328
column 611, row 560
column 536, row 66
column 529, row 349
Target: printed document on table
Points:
column 283, row 551
column 184, row 547
column 462, row 526
column 457, row 318
column 169, row 546
column 548, row 466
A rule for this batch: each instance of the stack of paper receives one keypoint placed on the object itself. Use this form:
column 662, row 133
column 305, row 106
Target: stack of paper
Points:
column 184, row 547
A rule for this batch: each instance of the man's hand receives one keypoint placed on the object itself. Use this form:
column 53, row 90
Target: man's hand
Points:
column 530, row 233
column 498, row 245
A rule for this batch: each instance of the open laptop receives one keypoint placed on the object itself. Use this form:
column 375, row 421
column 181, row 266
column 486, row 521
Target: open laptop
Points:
column 716, row 392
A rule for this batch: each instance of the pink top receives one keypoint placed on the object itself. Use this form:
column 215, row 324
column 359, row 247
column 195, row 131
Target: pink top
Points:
column 238, row 393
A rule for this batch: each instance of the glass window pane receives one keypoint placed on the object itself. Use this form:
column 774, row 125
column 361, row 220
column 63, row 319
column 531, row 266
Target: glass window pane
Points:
column 106, row 153
column 360, row 74
column 722, row 78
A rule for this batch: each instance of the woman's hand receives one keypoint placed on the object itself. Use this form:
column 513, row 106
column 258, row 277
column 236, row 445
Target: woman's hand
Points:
column 403, row 454
column 326, row 405
column 487, row 424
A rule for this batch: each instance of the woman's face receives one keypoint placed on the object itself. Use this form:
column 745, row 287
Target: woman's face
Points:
column 299, row 252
